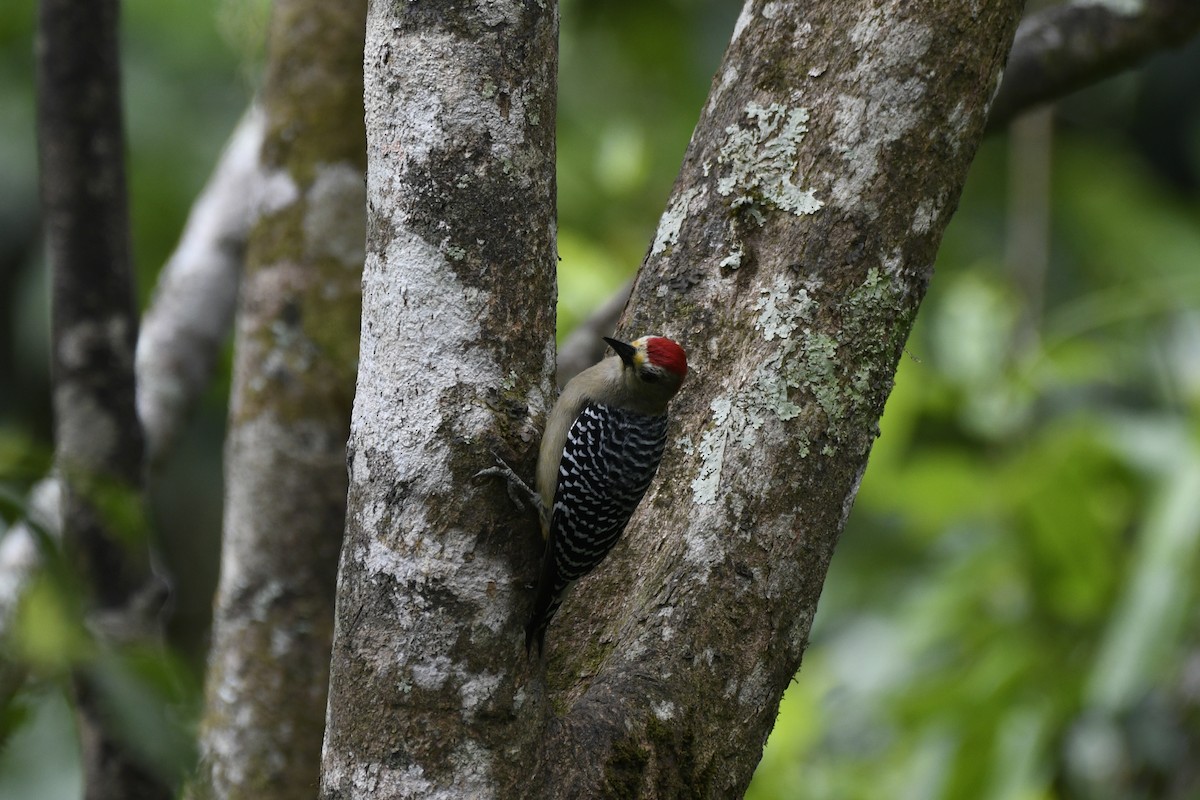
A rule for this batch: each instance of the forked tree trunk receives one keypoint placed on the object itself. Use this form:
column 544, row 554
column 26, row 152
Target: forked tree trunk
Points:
column 796, row 248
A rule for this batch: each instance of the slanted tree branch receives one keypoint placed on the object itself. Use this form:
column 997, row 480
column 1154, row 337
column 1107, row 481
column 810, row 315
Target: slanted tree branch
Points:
column 1071, row 45
column 796, row 248
column 1056, row 51
column 191, row 312
column 798, row 242
column 584, row 347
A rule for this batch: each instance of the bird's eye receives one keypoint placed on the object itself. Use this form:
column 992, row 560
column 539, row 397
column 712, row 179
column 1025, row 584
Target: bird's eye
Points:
column 651, row 377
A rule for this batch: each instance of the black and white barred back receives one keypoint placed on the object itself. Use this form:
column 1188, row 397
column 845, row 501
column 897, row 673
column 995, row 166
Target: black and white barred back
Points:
column 608, row 462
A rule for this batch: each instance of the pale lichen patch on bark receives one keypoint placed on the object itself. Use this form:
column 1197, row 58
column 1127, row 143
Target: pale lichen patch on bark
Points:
column 958, row 121
column 712, row 453
column 760, row 160
column 672, row 219
column 892, row 264
column 743, row 20
column 431, row 673
column 87, row 430
column 476, row 690
column 402, row 415
column 89, row 433
column 925, row 216
column 78, row 343
column 796, row 636
column 807, row 359
column 737, row 419
column 667, row 633
column 440, row 110
column 728, row 78
column 539, row 396
column 663, row 710
column 472, row 764
column 848, row 503
column 755, row 690
column 781, row 312
column 879, row 108
column 734, row 259
column 499, row 12
column 366, row 779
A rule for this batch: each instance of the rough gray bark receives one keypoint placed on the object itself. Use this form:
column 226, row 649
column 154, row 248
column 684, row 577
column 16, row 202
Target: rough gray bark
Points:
column 296, row 348
column 798, row 242
column 430, row 692
column 98, row 441
column 1068, row 46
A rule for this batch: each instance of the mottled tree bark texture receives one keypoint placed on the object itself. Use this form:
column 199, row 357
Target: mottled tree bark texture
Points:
column 295, row 351
column 796, row 248
column 430, row 691
column 98, row 439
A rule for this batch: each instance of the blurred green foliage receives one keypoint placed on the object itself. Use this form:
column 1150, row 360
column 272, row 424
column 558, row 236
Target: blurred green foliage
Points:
column 1011, row 612
column 633, row 76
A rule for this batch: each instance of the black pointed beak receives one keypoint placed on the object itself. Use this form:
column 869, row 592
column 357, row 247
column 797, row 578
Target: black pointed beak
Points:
column 625, row 351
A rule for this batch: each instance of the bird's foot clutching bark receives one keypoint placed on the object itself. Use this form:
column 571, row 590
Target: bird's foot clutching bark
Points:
column 518, row 490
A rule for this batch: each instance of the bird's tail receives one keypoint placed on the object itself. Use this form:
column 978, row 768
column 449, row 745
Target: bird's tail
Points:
column 545, row 604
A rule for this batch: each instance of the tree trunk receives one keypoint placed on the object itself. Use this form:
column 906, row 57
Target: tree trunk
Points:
column 98, row 441
column 798, row 242
column 430, row 691
column 295, row 355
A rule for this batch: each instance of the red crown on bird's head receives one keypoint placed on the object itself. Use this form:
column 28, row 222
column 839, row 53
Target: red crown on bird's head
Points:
column 667, row 354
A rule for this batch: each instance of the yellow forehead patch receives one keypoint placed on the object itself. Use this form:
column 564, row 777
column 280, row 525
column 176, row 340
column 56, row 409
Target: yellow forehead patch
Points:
column 639, row 357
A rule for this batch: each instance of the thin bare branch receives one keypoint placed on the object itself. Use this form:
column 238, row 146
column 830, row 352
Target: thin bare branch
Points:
column 584, row 346
column 1068, row 46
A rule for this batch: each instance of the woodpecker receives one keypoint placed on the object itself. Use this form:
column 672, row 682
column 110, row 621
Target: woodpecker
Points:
column 603, row 442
